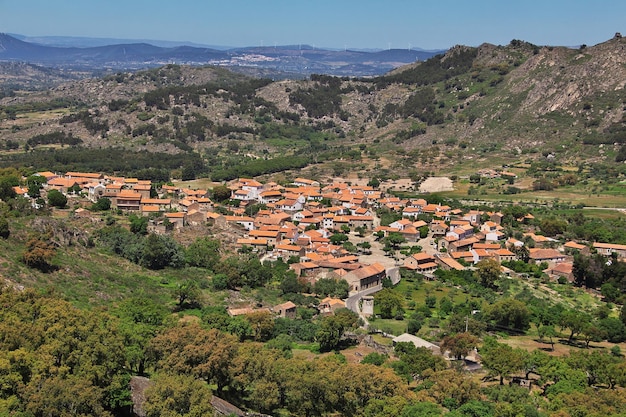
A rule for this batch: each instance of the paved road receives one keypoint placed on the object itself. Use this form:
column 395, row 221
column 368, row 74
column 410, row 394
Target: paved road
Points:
column 352, row 302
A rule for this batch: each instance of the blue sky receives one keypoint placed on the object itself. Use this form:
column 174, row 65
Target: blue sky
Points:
column 427, row 24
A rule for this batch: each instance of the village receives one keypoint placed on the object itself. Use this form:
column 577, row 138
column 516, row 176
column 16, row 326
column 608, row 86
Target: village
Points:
column 297, row 222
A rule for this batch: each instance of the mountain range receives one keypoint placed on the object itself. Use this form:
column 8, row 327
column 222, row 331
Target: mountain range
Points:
column 293, row 59
column 469, row 108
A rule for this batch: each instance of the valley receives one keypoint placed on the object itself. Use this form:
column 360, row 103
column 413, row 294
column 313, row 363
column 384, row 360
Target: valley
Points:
column 203, row 228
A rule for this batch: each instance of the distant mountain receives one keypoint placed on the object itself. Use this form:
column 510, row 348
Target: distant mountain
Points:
column 85, row 42
column 296, row 59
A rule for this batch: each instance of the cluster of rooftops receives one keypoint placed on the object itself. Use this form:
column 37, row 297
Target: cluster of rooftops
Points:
column 296, row 222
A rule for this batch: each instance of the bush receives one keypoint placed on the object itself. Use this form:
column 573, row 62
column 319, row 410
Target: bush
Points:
column 57, row 199
column 5, row 232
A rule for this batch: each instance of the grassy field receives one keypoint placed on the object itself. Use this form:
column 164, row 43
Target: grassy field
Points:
column 415, row 293
column 610, row 196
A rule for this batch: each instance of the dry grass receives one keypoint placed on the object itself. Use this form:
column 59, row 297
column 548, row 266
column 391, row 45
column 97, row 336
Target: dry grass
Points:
column 561, row 346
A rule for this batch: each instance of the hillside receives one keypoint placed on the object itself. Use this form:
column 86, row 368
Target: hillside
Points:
column 470, row 107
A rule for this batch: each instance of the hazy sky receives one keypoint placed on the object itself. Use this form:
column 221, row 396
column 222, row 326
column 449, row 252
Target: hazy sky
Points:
column 429, row 24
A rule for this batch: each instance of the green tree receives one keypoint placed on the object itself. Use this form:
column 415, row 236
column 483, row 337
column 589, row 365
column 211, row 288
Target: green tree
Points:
column 7, row 182
column 547, row 331
column 290, row 284
column 414, row 361
column 337, row 288
column 375, row 358
column 138, row 224
column 509, row 314
column 103, row 204
column 262, row 325
column 488, row 271
column 338, row 238
column 422, row 409
column 187, row 293
column 592, row 332
column 159, row 251
column 575, row 321
column 501, row 360
column 34, row 183
column 329, row 333
column 394, row 239
column 332, row 328
column 56, row 199
column 374, row 182
column 188, row 349
column 204, row 252
column 388, row 301
column 64, row 397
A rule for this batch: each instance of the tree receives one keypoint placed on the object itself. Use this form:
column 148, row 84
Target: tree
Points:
column 160, row 251
column 178, row 396
column 7, row 182
column 338, row 238
column 337, row 288
column 414, row 361
column 60, row 397
column 509, row 314
column 547, row 331
column 374, row 358
column 451, row 387
column 188, row 349
column 138, row 224
column 34, row 183
column 56, row 199
column 553, row 226
column 140, row 317
column 262, row 324
column 374, row 182
column 394, row 239
column 103, row 204
column 329, row 333
column 575, row 321
column 204, row 252
column 331, row 328
column 501, row 360
column 290, row 284
column 593, row 333
column 422, row 409
column 459, row 344
column 488, row 272
column 221, row 193
column 187, row 293
column 39, row 254
column 388, row 301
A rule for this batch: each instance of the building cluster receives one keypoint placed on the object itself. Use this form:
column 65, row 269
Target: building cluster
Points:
column 295, row 223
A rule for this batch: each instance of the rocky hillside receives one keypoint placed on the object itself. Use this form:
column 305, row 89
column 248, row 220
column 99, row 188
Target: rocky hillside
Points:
column 497, row 102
